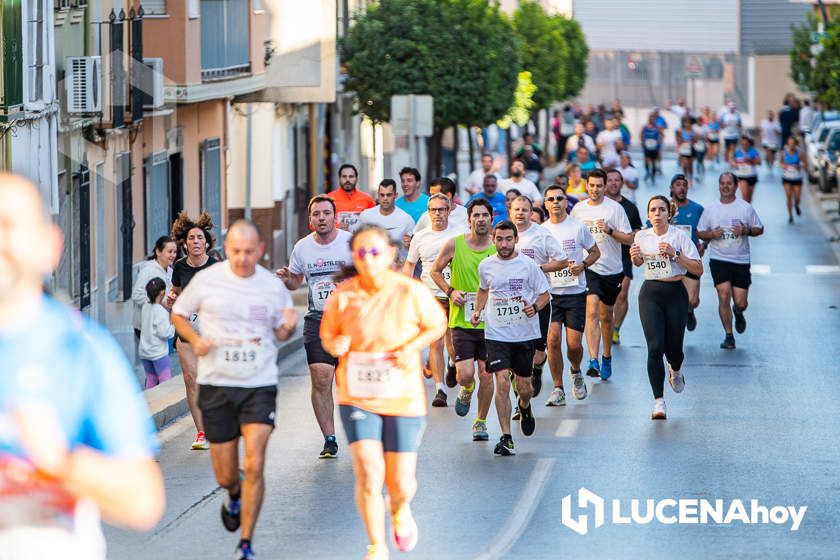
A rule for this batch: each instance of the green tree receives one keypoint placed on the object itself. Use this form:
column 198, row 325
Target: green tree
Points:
column 801, row 69
column 825, row 78
column 462, row 52
column 544, row 51
column 523, row 102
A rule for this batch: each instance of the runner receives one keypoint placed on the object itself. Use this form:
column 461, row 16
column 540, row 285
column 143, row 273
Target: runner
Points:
column 730, row 124
column 537, row 216
column 606, row 142
column 349, row 202
column 519, row 182
column 376, row 324
column 243, row 308
column 412, row 202
column 608, row 224
column 711, row 127
column 496, row 199
column 771, row 139
column 517, row 290
column 791, row 164
column 475, row 181
column 425, row 247
column 687, row 217
column 196, row 238
column 699, row 147
column 543, row 249
column 568, row 295
column 462, row 254
column 613, row 192
column 662, row 125
column 386, row 215
column 76, row 441
column 744, row 161
column 317, row 258
column 728, row 225
column 630, row 175
column 577, row 186
column 685, row 139
column 667, row 253
column 457, row 213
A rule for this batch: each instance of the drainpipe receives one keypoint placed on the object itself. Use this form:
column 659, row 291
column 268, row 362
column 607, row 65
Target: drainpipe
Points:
column 248, row 126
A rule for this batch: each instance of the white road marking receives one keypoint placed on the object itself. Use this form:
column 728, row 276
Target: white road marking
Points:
column 822, row 269
column 760, row 269
column 568, row 427
column 521, row 513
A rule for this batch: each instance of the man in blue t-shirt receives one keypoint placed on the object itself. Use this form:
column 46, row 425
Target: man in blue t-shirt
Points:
column 413, row 202
column 75, row 433
column 494, row 197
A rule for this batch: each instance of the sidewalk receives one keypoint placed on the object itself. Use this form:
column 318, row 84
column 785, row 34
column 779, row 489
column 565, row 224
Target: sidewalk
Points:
column 168, row 401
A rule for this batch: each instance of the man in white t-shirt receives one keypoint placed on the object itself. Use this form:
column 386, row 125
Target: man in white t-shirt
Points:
column 424, row 249
column 457, row 213
column 475, row 182
column 519, row 182
column 243, row 309
column 606, row 140
column 536, row 243
column 317, row 258
column 389, row 217
column 514, row 290
column 727, row 225
column 568, row 290
column 607, row 222
column 730, row 125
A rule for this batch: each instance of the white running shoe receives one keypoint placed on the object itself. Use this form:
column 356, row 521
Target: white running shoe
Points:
column 579, row 386
column 557, row 398
column 676, row 379
column 658, row 410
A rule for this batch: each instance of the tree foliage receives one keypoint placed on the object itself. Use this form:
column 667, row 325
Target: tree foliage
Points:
column 825, row 78
column 462, row 52
column 801, row 70
column 523, row 103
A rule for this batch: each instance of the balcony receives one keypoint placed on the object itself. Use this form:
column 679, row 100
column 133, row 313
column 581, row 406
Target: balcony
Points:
column 225, row 39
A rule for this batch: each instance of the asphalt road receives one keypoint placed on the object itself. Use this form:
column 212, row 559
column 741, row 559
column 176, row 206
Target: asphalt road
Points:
column 756, row 423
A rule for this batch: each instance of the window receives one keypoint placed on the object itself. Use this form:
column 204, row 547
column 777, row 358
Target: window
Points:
column 194, row 10
column 211, row 182
column 36, row 50
column 158, row 210
column 154, row 7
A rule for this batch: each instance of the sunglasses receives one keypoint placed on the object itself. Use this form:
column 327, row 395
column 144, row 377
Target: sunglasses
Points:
column 553, row 198
column 373, row 252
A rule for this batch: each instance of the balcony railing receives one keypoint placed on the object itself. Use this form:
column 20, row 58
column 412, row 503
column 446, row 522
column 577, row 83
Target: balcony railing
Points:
column 225, row 39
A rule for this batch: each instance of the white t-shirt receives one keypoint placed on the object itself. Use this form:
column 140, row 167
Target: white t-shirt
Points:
column 630, row 175
column 525, row 187
column 616, row 218
column 457, row 217
column 155, row 332
column 319, row 263
column 730, row 123
column 574, row 238
column 771, row 134
column 475, row 182
column 239, row 316
column 540, row 245
column 573, row 143
column 425, row 247
column 512, row 284
column 147, row 271
column 656, row 266
column 398, row 224
column 730, row 247
column 606, row 140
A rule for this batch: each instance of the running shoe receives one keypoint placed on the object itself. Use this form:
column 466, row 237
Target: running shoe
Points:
column 244, row 552
column 790, row 219
column 616, row 337
column 606, row 367
column 528, row 423
column 579, row 386
column 536, row 379
column 505, row 447
column 440, row 399
column 427, row 370
column 480, row 430
column 594, row 369
column 728, row 342
column 658, row 410
column 798, row 211
column 230, row 513
column 330, row 450
column 451, row 376
column 376, row 552
column 740, row 321
column 462, row 403
column 516, row 414
column 405, row 529
column 557, row 398
column 200, row 442
column 691, row 321
column 676, row 380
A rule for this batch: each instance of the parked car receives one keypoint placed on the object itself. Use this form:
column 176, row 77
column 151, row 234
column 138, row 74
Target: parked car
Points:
column 813, row 141
column 827, row 161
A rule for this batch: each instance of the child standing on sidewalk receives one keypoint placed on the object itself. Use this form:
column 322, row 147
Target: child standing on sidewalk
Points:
column 155, row 332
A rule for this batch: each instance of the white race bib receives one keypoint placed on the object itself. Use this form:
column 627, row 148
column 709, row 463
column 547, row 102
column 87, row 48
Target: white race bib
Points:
column 744, row 170
column 469, row 307
column 791, row 174
column 699, row 146
column 657, row 267
column 729, row 239
column 507, row 312
column 686, row 228
column 321, row 290
column 370, row 375
column 238, row 357
column 563, row 279
column 597, row 233
column 348, row 219
column 651, row 144
column 685, row 149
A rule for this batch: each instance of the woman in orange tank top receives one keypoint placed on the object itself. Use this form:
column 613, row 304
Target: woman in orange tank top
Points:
column 376, row 323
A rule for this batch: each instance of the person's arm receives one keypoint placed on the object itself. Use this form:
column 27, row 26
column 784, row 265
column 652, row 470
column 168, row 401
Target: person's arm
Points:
column 333, row 340
column 442, row 261
column 291, row 280
column 625, row 238
column 408, row 268
column 709, row 235
column 542, row 300
column 161, row 325
column 480, row 302
column 138, row 293
column 558, row 260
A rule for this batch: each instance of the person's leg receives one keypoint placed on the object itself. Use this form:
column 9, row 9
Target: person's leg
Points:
column 322, row 376
column 162, row 369
column 189, row 365
column 503, row 408
column 436, row 360
column 369, row 470
column 149, row 370
column 692, row 287
column 593, row 325
column 788, row 199
column 225, row 460
column 739, row 297
column 574, row 348
column 653, row 325
column 724, row 292
column 797, row 195
column 605, row 314
column 746, row 190
column 621, row 306
column 255, row 437
column 400, row 479
column 555, row 352
column 485, row 390
column 676, row 312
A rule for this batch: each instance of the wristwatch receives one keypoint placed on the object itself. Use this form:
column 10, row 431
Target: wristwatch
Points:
column 677, row 254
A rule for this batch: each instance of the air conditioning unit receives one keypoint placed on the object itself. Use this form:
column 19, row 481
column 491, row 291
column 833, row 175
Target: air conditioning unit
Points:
column 152, row 83
column 83, row 83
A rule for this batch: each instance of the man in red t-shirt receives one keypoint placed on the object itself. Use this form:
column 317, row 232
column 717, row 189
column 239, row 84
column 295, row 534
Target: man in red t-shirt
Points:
column 349, row 202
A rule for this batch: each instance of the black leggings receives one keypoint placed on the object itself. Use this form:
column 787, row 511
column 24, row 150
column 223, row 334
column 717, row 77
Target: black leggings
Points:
column 663, row 308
